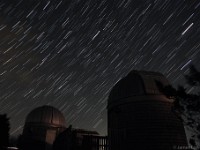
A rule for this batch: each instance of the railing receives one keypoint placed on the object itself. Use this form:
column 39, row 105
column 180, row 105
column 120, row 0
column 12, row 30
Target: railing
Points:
column 91, row 142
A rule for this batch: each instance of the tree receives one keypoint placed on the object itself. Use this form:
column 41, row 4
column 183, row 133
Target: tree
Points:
column 13, row 141
column 187, row 105
column 4, row 131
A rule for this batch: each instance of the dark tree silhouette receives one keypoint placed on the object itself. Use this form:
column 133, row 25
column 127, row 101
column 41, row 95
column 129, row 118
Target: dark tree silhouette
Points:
column 13, row 141
column 187, row 105
column 4, row 131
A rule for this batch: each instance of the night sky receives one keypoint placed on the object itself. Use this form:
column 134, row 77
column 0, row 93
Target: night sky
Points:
column 70, row 53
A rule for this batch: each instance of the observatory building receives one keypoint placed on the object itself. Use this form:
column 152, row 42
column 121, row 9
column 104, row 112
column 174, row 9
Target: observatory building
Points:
column 42, row 125
column 45, row 129
column 141, row 117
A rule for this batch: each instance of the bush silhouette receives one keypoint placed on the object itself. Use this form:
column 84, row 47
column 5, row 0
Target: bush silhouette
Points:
column 4, row 131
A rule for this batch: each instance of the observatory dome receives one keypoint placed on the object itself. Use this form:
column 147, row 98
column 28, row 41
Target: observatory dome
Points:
column 137, row 83
column 46, row 115
column 142, row 117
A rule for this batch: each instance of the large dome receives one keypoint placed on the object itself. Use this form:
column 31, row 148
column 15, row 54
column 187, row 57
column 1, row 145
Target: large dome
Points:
column 140, row 116
column 46, row 115
column 137, row 83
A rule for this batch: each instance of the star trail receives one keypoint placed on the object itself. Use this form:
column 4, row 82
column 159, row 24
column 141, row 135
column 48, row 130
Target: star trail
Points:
column 70, row 53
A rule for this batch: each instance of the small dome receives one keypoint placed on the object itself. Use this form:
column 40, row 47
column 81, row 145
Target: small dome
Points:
column 137, row 83
column 46, row 115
